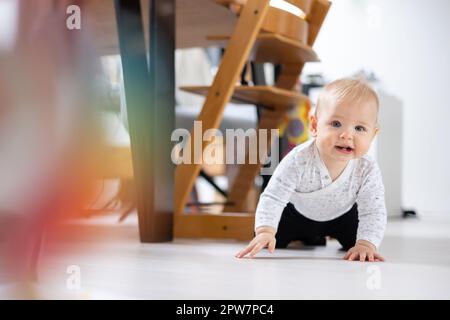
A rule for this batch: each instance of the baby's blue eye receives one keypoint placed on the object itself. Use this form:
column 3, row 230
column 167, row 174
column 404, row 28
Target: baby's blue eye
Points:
column 360, row 128
column 335, row 124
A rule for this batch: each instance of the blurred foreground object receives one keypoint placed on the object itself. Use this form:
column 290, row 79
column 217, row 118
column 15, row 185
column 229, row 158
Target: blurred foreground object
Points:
column 49, row 137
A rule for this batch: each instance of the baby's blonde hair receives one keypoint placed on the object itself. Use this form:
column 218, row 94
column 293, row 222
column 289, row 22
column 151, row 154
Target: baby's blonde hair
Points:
column 348, row 90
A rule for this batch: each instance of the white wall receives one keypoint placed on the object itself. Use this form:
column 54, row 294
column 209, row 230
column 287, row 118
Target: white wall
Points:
column 8, row 23
column 406, row 43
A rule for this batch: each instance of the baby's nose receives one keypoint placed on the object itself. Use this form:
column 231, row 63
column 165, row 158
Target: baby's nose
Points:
column 346, row 135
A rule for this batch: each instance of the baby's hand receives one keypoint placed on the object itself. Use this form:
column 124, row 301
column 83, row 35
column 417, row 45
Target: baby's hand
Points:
column 362, row 250
column 261, row 240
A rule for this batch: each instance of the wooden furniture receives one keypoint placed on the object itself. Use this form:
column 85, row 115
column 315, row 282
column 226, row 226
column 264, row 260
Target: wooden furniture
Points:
column 150, row 100
column 269, row 97
column 262, row 34
column 253, row 31
column 194, row 21
column 122, row 27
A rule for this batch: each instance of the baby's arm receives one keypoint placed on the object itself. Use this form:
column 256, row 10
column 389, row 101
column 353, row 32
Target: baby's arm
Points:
column 271, row 204
column 372, row 218
column 278, row 192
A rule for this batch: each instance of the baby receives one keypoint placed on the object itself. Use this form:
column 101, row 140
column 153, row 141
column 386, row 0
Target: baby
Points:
column 328, row 186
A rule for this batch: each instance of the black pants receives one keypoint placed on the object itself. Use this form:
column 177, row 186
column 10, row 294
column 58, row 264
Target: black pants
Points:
column 295, row 226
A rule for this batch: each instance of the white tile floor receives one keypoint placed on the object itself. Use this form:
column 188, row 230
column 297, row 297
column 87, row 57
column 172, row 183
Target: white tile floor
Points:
column 113, row 264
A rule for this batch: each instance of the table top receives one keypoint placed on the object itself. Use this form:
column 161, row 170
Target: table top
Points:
column 195, row 20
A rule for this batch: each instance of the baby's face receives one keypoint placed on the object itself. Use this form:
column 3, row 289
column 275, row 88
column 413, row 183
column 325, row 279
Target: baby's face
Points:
column 345, row 131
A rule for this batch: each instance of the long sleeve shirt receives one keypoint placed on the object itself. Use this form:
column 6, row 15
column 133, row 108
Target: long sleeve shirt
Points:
column 302, row 178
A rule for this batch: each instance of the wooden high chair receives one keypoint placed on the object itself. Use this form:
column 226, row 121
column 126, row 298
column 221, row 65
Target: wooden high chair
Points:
column 262, row 34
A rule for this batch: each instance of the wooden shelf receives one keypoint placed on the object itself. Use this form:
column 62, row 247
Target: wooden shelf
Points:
column 266, row 96
column 236, row 5
column 304, row 5
column 278, row 21
column 226, row 225
column 275, row 48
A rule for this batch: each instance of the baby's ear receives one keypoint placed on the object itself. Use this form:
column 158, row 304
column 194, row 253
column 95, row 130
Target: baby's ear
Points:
column 313, row 125
column 376, row 130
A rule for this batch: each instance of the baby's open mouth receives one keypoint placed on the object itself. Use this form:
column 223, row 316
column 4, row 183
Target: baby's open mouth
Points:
column 344, row 149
